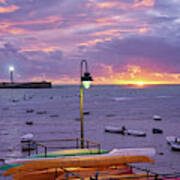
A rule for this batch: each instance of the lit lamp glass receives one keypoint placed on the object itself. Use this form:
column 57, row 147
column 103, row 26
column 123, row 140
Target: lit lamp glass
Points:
column 11, row 68
column 86, row 80
column 86, row 84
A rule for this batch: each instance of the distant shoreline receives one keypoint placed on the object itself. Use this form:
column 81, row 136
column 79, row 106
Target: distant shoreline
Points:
column 17, row 85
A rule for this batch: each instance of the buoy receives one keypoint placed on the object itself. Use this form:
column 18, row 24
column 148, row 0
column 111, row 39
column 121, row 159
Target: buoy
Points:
column 157, row 118
column 86, row 113
column 29, row 122
column 30, row 110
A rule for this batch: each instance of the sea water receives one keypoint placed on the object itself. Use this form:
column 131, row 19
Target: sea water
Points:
column 55, row 114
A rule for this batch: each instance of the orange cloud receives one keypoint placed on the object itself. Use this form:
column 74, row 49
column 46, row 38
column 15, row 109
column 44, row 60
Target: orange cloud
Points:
column 122, row 5
column 104, row 21
column 134, row 74
column 133, row 71
column 112, row 32
column 143, row 30
column 48, row 20
column 8, row 9
column 9, row 27
column 147, row 3
column 126, row 5
column 144, row 77
column 107, row 4
column 17, row 31
column 91, row 42
column 3, row 1
column 40, row 48
column 5, row 28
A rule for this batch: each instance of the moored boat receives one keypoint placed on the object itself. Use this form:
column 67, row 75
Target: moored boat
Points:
column 135, row 132
column 174, row 142
column 27, row 137
column 157, row 131
column 157, row 118
column 27, row 143
column 72, row 153
column 172, row 139
column 112, row 129
column 124, row 131
column 78, row 162
column 175, row 146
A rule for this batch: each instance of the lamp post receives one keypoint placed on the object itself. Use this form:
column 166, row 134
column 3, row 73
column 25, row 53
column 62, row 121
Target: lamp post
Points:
column 11, row 70
column 85, row 81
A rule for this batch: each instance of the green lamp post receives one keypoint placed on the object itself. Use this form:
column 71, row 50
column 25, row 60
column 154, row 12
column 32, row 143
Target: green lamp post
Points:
column 86, row 82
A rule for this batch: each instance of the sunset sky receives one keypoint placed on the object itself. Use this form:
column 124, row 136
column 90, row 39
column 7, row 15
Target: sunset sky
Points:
column 123, row 41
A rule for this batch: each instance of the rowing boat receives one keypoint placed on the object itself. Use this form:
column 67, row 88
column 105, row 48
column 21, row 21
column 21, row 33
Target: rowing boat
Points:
column 9, row 163
column 172, row 139
column 85, row 162
column 112, row 164
column 123, row 131
column 175, row 146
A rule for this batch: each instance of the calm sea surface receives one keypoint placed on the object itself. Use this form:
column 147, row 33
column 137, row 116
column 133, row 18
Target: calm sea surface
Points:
column 55, row 114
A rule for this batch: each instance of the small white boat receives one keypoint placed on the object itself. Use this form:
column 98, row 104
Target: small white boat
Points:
column 112, row 129
column 26, row 142
column 135, row 132
column 172, row 139
column 124, row 131
column 27, row 137
column 174, row 142
column 157, row 118
column 175, row 146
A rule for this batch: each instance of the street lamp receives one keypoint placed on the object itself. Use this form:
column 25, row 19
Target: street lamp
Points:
column 85, row 81
column 11, row 70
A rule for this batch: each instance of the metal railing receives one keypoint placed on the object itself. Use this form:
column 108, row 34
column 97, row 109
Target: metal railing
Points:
column 48, row 144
